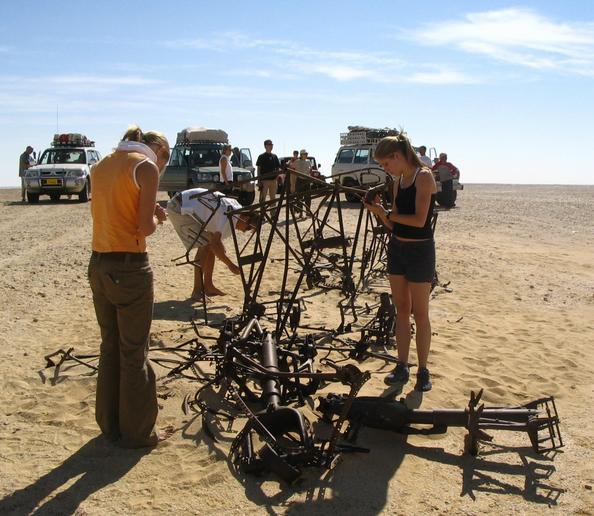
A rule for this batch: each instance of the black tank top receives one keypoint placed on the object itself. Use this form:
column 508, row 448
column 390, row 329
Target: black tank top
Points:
column 405, row 204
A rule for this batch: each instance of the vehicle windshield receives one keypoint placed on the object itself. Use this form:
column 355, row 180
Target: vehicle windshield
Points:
column 196, row 156
column 62, row 156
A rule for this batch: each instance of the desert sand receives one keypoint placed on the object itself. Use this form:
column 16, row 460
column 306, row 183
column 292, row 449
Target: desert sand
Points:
column 516, row 319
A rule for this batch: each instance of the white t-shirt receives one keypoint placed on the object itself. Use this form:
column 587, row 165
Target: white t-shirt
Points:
column 426, row 160
column 228, row 174
column 203, row 206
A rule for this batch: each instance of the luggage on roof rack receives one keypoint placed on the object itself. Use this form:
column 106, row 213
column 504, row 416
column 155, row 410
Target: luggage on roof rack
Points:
column 71, row 139
column 358, row 135
column 202, row 134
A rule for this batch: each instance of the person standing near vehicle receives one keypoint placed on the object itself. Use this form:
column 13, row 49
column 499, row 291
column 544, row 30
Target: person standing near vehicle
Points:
column 226, row 169
column 125, row 212
column 426, row 160
column 268, row 166
column 411, row 251
column 290, row 172
column 24, row 164
column 301, row 184
column 236, row 157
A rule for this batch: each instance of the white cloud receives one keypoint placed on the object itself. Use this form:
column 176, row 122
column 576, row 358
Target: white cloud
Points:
column 334, row 71
column 82, row 80
column 343, row 66
column 221, row 42
column 443, row 76
column 516, row 36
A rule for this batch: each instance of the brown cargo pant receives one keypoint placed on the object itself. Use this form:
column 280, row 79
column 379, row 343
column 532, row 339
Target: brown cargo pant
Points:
column 126, row 400
column 268, row 187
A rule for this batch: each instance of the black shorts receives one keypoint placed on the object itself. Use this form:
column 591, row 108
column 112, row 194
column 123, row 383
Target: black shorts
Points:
column 413, row 260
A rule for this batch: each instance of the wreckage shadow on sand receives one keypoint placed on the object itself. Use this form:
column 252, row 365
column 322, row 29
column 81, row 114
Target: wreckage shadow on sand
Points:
column 359, row 484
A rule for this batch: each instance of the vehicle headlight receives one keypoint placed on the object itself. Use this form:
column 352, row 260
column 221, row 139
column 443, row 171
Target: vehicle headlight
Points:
column 204, row 177
column 32, row 173
column 75, row 173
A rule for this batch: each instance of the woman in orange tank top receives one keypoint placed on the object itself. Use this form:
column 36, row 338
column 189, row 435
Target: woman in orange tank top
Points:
column 124, row 209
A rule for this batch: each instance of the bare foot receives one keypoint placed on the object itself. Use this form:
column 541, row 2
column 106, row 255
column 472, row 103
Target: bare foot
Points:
column 214, row 291
column 165, row 433
column 197, row 296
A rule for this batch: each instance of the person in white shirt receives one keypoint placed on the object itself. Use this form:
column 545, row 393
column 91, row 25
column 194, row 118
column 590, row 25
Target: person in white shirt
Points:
column 225, row 167
column 302, row 166
column 426, row 160
column 199, row 217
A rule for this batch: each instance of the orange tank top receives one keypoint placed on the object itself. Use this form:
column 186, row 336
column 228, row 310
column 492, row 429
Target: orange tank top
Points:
column 114, row 204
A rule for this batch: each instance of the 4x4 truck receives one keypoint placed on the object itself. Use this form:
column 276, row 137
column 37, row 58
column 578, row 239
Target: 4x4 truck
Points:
column 63, row 169
column 194, row 163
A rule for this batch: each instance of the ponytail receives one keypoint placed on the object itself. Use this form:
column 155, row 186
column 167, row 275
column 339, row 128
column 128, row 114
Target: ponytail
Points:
column 391, row 144
column 135, row 134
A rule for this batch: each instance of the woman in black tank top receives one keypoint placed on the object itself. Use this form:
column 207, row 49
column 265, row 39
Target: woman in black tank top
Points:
column 411, row 252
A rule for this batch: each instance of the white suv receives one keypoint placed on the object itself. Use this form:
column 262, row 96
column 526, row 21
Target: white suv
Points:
column 354, row 164
column 63, row 169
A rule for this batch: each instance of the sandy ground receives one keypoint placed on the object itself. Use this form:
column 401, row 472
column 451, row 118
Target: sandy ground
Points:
column 517, row 320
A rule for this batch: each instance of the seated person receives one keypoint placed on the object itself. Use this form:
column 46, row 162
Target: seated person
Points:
column 445, row 172
column 445, row 168
column 200, row 218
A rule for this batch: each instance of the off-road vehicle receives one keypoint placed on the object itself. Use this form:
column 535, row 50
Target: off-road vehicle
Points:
column 354, row 164
column 63, row 169
column 194, row 163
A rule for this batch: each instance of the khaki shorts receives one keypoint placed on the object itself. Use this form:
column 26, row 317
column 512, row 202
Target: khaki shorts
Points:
column 188, row 228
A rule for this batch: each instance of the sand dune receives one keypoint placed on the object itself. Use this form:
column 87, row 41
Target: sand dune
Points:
column 516, row 318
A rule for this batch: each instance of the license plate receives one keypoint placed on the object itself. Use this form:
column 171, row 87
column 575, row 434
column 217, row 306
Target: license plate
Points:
column 52, row 182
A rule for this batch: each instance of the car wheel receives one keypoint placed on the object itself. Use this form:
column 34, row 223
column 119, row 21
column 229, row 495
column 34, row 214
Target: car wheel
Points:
column 54, row 197
column 32, row 198
column 349, row 196
column 83, row 196
column 246, row 198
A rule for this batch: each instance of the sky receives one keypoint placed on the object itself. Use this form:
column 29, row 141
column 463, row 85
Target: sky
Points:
column 505, row 88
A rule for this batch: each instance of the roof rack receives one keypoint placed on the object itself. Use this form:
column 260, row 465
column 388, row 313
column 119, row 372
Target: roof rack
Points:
column 358, row 135
column 202, row 134
column 71, row 139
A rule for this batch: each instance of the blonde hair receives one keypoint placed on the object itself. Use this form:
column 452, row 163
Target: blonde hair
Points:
column 135, row 134
column 391, row 144
column 227, row 147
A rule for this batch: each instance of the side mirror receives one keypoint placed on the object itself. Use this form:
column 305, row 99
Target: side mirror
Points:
column 319, row 166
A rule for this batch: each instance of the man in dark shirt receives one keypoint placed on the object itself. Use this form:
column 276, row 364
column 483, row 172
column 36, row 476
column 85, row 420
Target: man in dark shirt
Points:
column 268, row 165
column 24, row 164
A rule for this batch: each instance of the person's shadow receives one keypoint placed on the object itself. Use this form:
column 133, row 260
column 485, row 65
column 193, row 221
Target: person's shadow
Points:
column 174, row 310
column 98, row 463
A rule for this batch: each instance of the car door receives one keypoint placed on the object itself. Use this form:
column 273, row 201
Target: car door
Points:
column 372, row 174
column 246, row 159
column 344, row 161
column 176, row 175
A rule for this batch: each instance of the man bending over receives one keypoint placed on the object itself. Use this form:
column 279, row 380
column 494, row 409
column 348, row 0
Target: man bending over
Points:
column 200, row 218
